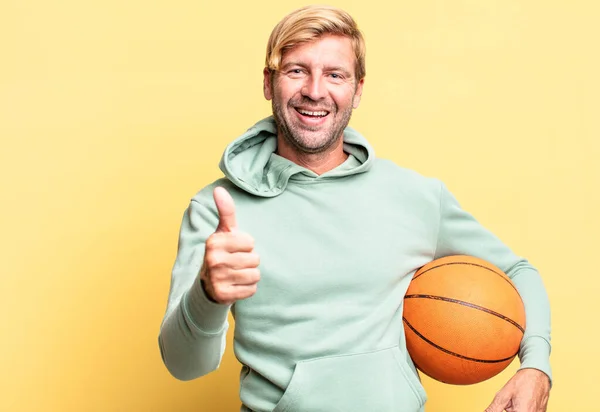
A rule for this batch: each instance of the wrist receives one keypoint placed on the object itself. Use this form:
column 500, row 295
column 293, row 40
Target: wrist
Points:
column 539, row 374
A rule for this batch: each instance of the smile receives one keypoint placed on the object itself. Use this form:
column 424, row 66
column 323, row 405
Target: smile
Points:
column 320, row 113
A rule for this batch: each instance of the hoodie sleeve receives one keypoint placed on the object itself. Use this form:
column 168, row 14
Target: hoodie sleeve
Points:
column 461, row 234
column 193, row 330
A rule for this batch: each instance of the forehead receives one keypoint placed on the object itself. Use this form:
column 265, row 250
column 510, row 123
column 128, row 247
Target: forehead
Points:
column 328, row 50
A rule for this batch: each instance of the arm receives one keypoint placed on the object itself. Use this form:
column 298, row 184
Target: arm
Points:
column 459, row 233
column 193, row 331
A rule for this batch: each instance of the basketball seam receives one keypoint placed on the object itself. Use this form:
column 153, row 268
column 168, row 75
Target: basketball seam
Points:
column 471, row 305
column 458, row 355
column 503, row 276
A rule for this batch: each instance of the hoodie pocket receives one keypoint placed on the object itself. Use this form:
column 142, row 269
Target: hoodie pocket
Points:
column 378, row 381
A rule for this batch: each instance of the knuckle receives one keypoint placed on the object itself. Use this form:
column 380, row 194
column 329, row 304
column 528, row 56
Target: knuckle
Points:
column 212, row 242
column 212, row 260
column 251, row 276
column 217, row 259
column 245, row 240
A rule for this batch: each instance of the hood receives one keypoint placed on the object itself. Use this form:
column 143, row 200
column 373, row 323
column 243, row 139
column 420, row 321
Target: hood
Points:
column 250, row 161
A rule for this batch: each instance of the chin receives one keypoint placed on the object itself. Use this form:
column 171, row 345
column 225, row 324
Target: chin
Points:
column 314, row 146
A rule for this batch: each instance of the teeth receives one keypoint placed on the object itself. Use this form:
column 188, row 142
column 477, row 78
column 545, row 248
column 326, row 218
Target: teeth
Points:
column 320, row 114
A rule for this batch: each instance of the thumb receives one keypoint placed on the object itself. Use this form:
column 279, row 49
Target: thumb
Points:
column 499, row 403
column 226, row 209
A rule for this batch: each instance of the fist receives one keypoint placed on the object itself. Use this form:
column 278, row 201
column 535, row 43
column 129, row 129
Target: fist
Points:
column 230, row 268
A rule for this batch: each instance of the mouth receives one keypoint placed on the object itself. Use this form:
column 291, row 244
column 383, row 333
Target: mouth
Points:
column 312, row 114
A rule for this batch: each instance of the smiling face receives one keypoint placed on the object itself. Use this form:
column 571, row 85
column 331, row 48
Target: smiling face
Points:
column 314, row 92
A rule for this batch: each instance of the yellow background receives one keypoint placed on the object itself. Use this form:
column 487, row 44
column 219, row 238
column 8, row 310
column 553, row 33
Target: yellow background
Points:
column 114, row 113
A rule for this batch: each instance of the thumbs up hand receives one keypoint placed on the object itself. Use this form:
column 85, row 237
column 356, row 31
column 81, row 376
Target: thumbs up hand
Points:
column 230, row 269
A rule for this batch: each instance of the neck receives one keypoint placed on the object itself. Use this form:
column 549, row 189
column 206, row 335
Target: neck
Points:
column 317, row 162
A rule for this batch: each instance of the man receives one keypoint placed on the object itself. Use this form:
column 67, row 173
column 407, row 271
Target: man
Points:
column 311, row 242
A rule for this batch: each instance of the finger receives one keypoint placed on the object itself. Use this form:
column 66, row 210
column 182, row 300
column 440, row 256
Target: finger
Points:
column 220, row 264
column 246, row 277
column 232, row 293
column 242, row 260
column 244, row 292
column 226, row 210
column 230, row 242
column 499, row 403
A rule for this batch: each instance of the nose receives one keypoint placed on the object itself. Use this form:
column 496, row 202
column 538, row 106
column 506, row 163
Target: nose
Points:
column 314, row 88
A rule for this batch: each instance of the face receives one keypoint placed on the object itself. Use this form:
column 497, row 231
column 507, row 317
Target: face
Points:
column 314, row 92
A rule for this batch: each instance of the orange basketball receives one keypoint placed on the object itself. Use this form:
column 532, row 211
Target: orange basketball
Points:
column 464, row 320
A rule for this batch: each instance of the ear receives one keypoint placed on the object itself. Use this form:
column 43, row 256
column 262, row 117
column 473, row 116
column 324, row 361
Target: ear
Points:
column 267, row 84
column 358, row 93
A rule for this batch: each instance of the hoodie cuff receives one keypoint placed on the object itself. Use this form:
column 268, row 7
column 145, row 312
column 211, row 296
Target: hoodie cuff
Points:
column 209, row 317
column 535, row 354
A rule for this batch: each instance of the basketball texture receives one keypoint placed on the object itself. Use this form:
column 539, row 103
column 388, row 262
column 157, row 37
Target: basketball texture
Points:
column 464, row 320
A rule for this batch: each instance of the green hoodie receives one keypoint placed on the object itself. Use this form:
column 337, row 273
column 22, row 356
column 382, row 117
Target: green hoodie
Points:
column 324, row 330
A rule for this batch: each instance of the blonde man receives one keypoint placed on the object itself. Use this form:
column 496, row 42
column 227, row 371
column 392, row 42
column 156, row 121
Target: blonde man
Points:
column 311, row 242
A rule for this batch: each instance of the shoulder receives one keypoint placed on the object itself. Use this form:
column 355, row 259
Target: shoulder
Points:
column 396, row 175
column 204, row 197
column 201, row 210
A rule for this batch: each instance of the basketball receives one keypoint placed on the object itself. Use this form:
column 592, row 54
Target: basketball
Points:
column 463, row 319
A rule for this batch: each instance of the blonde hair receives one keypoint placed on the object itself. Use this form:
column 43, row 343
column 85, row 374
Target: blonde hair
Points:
column 308, row 24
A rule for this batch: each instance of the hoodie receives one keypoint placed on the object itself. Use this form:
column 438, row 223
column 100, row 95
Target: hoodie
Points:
column 338, row 250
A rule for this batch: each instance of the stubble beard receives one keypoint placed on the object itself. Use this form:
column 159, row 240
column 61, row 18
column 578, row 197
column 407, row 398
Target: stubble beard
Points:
column 301, row 137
